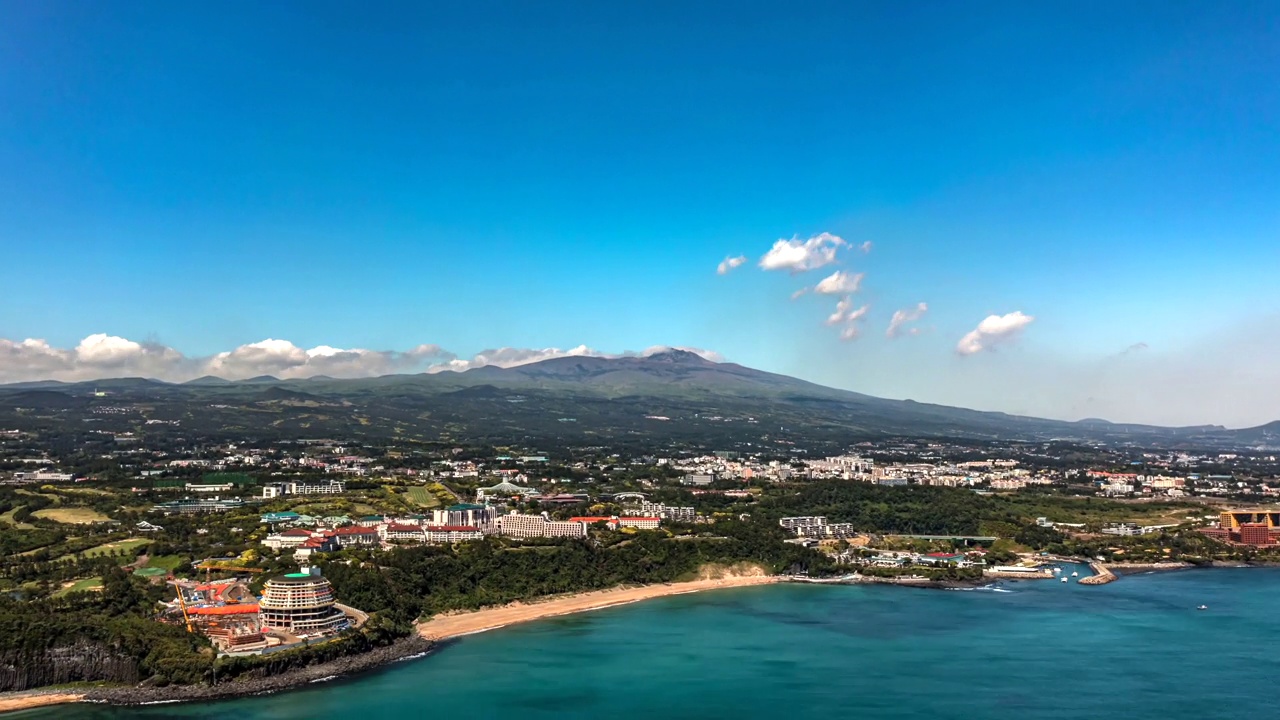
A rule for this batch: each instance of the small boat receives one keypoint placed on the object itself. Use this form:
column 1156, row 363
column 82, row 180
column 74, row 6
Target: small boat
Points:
column 1056, row 570
column 1065, row 580
column 1075, row 574
column 1203, row 607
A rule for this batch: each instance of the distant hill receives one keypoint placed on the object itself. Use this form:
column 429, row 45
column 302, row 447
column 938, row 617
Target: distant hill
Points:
column 207, row 380
column 42, row 400
column 608, row 398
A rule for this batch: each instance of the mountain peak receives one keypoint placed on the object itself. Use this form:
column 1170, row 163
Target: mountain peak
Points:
column 676, row 355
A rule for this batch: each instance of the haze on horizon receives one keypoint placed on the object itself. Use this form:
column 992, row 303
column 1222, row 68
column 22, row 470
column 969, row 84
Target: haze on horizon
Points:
column 1056, row 209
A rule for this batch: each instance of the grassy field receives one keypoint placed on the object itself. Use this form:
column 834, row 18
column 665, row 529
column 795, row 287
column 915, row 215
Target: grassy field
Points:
column 165, row 562
column 71, row 515
column 51, row 497
column 93, row 583
column 84, row 491
column 131, row 544
column 422, row 497
column 8, row 518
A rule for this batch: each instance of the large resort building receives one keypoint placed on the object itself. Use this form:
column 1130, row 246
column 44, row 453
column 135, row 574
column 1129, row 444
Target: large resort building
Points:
column 300, row 603
column 1247, row 527
column 530, row 526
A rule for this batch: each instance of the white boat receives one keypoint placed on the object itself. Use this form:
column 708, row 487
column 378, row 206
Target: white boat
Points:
column 1065, row 580
column 1075, row 574
column 1056, row 570
column 1203, row 607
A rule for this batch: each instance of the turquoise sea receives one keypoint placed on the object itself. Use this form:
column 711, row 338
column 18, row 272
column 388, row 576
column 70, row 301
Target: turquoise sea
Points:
column 1031, row 650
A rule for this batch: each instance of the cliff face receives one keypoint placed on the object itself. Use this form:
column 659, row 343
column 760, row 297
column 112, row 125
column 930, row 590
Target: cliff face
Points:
column 78, row 662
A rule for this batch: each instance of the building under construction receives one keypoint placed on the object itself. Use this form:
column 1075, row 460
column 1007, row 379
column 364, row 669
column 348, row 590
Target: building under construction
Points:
column 293, row 607
column 224, row 611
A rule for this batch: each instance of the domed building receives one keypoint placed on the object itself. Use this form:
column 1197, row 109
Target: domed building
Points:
column 301, row 603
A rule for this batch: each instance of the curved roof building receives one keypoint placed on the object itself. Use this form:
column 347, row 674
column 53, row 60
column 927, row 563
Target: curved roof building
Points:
column 300, row 603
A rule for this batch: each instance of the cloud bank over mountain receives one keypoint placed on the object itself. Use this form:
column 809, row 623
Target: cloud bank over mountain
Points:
column 101, row 356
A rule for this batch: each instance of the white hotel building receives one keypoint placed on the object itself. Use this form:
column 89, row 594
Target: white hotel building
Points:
column 529, row 526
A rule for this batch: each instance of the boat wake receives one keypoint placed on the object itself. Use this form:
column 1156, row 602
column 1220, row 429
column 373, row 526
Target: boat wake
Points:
column 983, row 588
column 326, row 678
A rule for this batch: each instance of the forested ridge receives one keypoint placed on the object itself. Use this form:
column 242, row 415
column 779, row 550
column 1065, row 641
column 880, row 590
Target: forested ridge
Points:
column 428, row 580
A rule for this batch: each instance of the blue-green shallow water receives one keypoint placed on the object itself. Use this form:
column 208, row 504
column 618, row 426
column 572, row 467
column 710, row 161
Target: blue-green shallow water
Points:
column 1134, row 649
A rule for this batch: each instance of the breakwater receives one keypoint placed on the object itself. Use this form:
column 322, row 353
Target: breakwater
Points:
column 1151, row 566
column 1101, row 575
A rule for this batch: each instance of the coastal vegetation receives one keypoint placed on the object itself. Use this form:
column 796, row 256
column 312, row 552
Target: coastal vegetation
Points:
column 406, row 583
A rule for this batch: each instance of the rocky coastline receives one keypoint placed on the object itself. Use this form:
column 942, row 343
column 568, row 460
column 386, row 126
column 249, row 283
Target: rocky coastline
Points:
column 350, row 665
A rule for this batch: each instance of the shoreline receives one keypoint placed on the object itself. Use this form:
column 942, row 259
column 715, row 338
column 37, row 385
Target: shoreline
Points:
column 455, row 625
column 431, row 634
column 339, row 669
column 28, row 699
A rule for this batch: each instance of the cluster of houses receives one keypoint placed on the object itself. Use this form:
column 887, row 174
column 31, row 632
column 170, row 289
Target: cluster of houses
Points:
column 892, row 559
column 816, row 527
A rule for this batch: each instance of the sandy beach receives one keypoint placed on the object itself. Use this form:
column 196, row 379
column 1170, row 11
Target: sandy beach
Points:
column 10, row 702
column 453, row 625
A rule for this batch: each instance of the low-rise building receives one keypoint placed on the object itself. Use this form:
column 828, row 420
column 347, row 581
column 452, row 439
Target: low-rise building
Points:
column 292, row 538
column 192, row 506
column 640, row 523
column 395, row 532
column 356, row 536
column 439, row 534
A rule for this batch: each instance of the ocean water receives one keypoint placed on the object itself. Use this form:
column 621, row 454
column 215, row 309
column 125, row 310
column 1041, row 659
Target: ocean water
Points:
column 1031, row 650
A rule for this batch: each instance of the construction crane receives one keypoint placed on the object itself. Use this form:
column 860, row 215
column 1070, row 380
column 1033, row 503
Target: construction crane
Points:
column 182, row 603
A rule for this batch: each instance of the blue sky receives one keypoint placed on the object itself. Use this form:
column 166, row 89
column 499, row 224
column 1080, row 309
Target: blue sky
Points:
column 547, row 175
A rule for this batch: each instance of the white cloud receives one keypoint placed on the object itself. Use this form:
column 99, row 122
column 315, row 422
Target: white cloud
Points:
column 106, row 356
column 798, row 255
column 98, row 355
column 865, row 247
column 799, row 293
column 849, row 317
column 853, row 323
column 902, row 317
column 729, row 263
column 842, row 309
column 993, row 330
column 839, row 283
